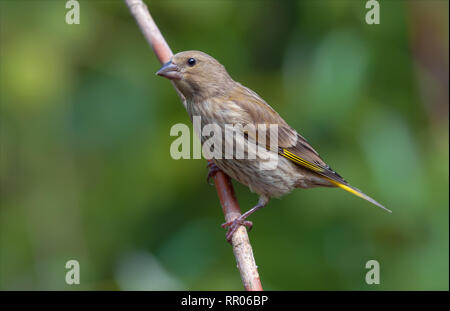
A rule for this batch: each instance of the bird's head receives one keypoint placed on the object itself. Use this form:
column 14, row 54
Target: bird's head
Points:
column 197, row 75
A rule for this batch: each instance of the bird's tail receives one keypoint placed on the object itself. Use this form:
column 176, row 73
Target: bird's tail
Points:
column 357, row 192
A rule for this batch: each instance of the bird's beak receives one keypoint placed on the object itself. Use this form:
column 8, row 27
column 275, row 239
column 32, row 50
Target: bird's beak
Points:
column 170, row 71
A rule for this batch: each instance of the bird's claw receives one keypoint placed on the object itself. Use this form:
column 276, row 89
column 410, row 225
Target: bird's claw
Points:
column 213, row 169
column 234, row 225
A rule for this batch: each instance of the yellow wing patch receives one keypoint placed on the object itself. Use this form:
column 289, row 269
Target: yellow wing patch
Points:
column 302, row 162
column 325, row 174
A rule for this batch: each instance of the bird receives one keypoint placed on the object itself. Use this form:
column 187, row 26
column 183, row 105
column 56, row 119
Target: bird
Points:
column 212, row 95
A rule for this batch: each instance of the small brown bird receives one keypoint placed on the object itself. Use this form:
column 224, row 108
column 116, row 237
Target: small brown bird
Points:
column 213, row 95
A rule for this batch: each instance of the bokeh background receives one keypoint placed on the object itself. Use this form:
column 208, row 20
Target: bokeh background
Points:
column 86, row 172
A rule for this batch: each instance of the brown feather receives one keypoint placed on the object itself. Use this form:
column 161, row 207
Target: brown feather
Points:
column 211, row 93
column 257, row 111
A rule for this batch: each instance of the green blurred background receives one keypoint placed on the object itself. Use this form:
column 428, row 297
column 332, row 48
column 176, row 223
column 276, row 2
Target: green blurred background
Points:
column 86, row 172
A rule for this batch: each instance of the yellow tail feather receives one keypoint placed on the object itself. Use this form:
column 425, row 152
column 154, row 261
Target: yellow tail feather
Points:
column 357, row 192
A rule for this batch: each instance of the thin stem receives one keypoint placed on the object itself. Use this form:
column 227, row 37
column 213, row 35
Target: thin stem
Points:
column 242, row 249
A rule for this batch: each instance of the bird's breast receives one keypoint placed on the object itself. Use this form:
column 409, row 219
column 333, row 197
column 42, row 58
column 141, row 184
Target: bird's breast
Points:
column 216, row 111
column 251, row 172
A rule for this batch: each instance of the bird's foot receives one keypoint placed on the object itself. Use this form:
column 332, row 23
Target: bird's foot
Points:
column 213, row 169
column 234, row 225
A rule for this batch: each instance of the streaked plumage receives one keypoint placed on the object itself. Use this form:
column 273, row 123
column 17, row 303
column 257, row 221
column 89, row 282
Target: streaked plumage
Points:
column 213, row 95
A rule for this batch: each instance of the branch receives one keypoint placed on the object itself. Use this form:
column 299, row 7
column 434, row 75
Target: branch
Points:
column 241, row 244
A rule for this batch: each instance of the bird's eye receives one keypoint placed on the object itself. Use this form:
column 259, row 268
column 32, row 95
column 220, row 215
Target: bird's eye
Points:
column 191, row 61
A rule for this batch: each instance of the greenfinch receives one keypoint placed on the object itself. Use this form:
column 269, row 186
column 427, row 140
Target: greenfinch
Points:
column 216, row 98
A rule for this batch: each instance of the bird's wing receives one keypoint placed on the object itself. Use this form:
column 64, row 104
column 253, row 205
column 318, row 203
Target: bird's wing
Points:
column 291, row 145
